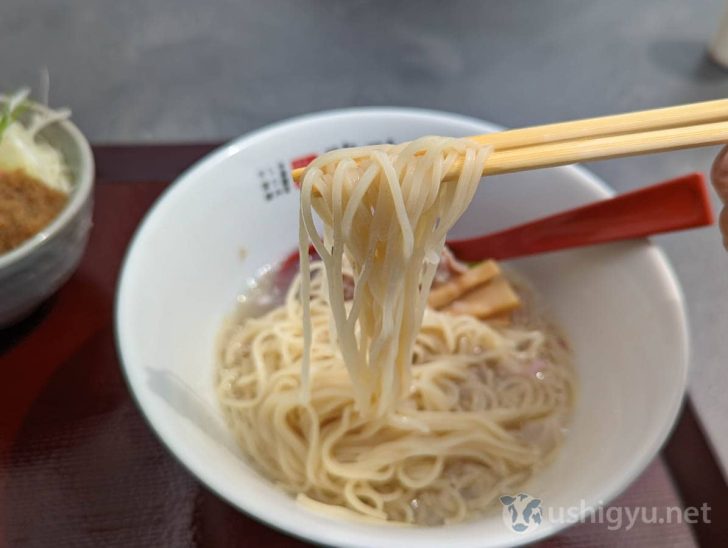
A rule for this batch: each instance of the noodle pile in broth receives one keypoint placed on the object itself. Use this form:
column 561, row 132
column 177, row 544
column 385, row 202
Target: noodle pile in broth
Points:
column 363, row 401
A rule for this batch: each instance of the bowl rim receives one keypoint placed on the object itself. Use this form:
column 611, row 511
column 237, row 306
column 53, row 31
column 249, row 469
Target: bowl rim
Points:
column 78, row 196
column 326, row 536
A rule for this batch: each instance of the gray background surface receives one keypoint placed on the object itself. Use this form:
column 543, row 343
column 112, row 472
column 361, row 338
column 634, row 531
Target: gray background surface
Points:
column 192, row 70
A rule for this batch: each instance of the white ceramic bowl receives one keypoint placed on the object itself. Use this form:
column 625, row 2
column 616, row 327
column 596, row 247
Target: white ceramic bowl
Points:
column 620, row 305
column 33, row 271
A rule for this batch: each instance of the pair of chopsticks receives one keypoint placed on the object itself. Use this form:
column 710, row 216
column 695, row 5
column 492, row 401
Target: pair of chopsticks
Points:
column 658, row 130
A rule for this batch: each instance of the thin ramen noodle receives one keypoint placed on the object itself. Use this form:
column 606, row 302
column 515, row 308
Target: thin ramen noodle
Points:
column 366, row 402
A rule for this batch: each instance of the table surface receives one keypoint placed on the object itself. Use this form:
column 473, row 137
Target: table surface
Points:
column 80, row 467
column 175, row 70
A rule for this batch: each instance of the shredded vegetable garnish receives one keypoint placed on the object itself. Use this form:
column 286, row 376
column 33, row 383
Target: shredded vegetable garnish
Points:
column 20, row 147
column 12, row 109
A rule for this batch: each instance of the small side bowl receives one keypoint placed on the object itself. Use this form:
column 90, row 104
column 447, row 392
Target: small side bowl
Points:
column 35, row 270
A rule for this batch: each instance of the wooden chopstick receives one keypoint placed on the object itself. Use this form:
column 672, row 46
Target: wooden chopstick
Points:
column 601, row 148
column 631, row 122
column 658, row 130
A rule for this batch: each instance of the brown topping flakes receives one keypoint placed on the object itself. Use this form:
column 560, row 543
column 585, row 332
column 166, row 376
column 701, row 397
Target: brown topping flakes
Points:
column 26, row 207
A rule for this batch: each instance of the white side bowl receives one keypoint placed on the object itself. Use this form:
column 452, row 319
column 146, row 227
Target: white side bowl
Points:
column 620, row 305
column 33, row 271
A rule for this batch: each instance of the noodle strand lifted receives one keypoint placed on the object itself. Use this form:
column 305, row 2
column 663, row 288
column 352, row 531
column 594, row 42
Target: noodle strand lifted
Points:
column 386, row 215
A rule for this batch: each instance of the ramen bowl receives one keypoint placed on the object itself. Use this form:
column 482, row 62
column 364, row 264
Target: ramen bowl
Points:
column 235, row 213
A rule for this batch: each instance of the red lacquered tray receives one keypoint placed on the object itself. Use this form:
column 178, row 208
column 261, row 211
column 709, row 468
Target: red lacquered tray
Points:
column 80, row 467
